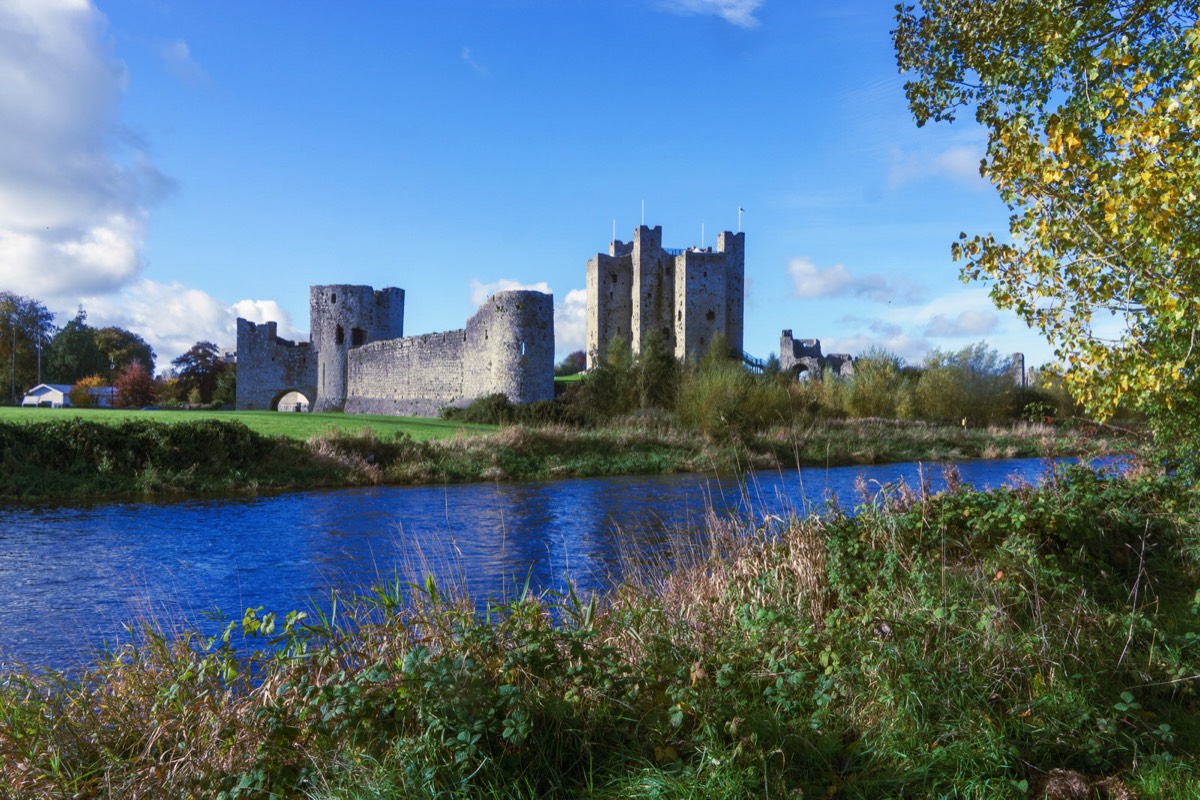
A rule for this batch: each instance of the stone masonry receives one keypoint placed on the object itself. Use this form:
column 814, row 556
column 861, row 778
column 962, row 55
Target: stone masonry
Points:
column 685, row 296
column 269, row 367
column 804, row 355
column 507, row 348
column 359, row 361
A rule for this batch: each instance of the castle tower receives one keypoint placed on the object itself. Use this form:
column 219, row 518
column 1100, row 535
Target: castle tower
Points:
column 510, row 347
column 609, row 305
column 653, row 289
column 733, row 245
column 344, row 317
column 685, row 296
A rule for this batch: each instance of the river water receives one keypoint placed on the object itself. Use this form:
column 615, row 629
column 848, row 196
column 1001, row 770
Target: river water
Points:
column 73, row 577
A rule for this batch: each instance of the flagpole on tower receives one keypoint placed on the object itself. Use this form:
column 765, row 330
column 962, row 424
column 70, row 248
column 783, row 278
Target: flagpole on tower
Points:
column 740, row 212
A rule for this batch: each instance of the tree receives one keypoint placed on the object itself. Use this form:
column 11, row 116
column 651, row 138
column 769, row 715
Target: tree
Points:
column 73, row 353
column 134, row 387
column 25, row 330
column 122, row 348
column 199, row 370
column 1092, row 110
column 81, row 393
column 226, row 391
column 573, row 364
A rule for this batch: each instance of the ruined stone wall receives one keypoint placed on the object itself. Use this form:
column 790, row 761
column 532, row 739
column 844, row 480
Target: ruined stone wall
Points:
column 345, row 317
column 1016, row 370
column 506, row 348
column 414, row 376
column 804, row 355
column 269, row 367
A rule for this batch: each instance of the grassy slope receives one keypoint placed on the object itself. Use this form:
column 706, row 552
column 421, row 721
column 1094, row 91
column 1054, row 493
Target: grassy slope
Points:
column 268, row 423
column 47, row 454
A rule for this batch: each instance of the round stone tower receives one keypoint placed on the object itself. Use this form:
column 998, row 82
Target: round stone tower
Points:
column 344, row 317
column 510, row 347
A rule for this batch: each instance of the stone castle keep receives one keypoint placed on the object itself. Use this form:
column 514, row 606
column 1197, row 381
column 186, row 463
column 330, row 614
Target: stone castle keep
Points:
column 360, row 361
column 685, row 296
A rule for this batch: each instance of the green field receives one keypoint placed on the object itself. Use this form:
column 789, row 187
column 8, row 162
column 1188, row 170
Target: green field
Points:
column 268, row 423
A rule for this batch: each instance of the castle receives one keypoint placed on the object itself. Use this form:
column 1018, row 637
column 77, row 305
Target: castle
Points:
column 685, row 296
column 359, row 361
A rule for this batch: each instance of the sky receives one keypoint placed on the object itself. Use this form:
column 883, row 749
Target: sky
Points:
column 171, row 165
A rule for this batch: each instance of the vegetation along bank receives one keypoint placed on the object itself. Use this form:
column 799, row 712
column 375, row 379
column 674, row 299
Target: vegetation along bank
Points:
column 1024, row 642
column 101, row 455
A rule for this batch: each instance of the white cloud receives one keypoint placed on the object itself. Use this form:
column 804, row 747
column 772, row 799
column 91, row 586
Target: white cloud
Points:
column 482, row 291
column 958, row 163
column 735, row 12
column 178, row 58
column 965, row 323
column 911, row 348
column 570, row 323
column 810, row 281
column 72, row 207
column 474, row 64
column 172, row 317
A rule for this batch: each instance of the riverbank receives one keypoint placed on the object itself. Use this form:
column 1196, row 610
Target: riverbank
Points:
column 1002, row 644
column 81, row 458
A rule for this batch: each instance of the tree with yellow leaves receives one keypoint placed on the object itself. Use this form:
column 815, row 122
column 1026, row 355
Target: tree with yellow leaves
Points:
column 1092, row 109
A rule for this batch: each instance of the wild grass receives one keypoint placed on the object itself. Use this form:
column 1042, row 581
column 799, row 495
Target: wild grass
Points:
column 1024, row 642
column 300, row 427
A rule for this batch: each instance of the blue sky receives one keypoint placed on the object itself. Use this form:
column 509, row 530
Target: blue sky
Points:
column 172, row 165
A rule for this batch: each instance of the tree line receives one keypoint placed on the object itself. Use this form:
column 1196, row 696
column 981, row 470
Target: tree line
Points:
column 94, row 361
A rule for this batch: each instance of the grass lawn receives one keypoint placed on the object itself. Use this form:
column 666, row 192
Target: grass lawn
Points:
column 268, row 423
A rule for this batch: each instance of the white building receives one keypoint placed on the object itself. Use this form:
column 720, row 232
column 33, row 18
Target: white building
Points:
column 51, row 395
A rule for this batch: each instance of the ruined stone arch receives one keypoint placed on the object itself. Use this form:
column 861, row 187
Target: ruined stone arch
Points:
column 304, row 393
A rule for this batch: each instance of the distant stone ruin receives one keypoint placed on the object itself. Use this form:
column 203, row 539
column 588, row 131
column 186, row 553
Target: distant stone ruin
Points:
column 359, row 361
column 685, row 296
column 1016, row 370
column 803, row 356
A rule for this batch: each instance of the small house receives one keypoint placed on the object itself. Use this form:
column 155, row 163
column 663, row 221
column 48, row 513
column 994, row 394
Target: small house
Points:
column 48, row 395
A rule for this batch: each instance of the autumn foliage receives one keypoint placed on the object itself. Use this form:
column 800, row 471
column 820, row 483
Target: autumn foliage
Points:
column 1093, row 118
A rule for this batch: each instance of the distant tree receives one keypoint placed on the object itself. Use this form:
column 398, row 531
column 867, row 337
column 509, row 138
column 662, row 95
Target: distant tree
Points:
column 226, row 391
column 168, row 389
column 972, row 382
column 199, row 369
column 135, row 387
column 573, row 364
column 122, row 348
column 81, row 393
column 25, row 327
column 73, row 353
column 879, row 385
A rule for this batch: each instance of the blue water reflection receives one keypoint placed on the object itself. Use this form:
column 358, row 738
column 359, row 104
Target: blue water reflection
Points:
column 71, row 577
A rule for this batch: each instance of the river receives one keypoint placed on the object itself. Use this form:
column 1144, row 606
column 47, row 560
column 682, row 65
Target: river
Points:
column 73, row 577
